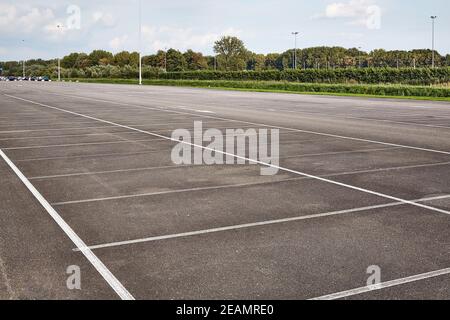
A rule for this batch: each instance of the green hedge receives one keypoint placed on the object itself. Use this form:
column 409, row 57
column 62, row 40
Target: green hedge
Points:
column 364, row 75
column 381, row 90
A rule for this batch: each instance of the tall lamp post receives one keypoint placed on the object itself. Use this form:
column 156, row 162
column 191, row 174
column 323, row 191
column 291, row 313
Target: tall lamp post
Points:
column 295, row 34
column 165, row 59
column 359, row 57
column 23, row 62
column 59, row 58
column 140, row 42
column 433, row 19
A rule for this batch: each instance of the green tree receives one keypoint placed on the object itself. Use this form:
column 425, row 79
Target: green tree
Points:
column 175, row 61
column 98, row 57
column 256, row 62
column 134, row 59
column 195, row 60
column 122, row 58
column 271, row 61
column 83, row 61
column 231, row 53
column 70, row 61
column 155, row 60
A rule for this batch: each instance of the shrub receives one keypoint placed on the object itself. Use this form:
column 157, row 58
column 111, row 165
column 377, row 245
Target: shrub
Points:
column 364, row 75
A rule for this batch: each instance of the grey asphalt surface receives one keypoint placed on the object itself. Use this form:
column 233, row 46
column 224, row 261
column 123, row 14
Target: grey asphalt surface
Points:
column 114, row 185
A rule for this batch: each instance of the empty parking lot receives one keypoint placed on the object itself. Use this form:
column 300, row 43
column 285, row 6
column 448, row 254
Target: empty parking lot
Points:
column 88, row 180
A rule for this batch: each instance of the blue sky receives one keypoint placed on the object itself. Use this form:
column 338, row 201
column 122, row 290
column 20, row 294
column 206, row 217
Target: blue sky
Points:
column 28, row 28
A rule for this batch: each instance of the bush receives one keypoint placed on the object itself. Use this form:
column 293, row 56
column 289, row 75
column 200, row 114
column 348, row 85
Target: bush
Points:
column 364, row 75
column 383, row 90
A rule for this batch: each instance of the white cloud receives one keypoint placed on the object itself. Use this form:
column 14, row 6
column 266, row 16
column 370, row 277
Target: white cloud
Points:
column 34, row 19
column 14, row 19
column 118, row 42
column 7, row 14
column 104, row 19
column 359, row 12
column 157, row 38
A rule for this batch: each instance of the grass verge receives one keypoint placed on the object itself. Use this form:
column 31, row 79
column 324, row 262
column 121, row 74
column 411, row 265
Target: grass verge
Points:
column 356, row 90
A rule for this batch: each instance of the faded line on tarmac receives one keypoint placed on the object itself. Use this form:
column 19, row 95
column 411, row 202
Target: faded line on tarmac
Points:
column 67, row 136
column 255, row 224
column 229, row 186
column 348, row 186
column 384, row 285
column 81, row 144
column 190, row 166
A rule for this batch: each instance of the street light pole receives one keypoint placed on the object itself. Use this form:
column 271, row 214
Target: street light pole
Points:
column 295, row 50
column 165, row 59
column 359, row 57
column 59, row 58
column 140, row 42
column 433, row 18
column 23, row 62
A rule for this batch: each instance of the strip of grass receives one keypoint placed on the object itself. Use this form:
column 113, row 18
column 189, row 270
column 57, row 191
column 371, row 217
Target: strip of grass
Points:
column 377, row 91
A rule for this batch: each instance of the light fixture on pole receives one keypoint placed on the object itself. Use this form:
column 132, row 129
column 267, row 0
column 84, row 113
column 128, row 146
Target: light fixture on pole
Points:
column 433, row 19
column 140, row 42
column 294, row 64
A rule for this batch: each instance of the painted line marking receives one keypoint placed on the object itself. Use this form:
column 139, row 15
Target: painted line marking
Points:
column 384, row 285
column 93, row 259
column 229, row 186
column 40, row 130
column 68, row 136
column 252, row 225
column 87, row 156
column 105, row 172
column 379, row 194
column 81, row 144
column 189, row 166
column 5, row 126
column 263, row 125
column 357, row 118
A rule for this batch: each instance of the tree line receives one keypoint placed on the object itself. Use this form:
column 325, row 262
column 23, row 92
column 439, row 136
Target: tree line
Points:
column 230, row 55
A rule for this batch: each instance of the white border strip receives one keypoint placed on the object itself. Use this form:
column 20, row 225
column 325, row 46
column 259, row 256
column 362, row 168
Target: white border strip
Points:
column 93, row 259
column 384, row 285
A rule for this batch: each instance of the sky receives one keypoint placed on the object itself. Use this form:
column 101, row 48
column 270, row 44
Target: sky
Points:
column 28, row 28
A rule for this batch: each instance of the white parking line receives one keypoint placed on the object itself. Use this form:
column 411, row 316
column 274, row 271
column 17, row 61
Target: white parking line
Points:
column 358, row 118
column 261, row 124
column 106, row 172
column 5, row 126
column 87, row 156
column 69, row 136
column 65, row 129
column 348, row 186
column 384, row 285
column 82, row 144
column 190, row 166
column 252, row 225
column 93, row 259
column 340, row 152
